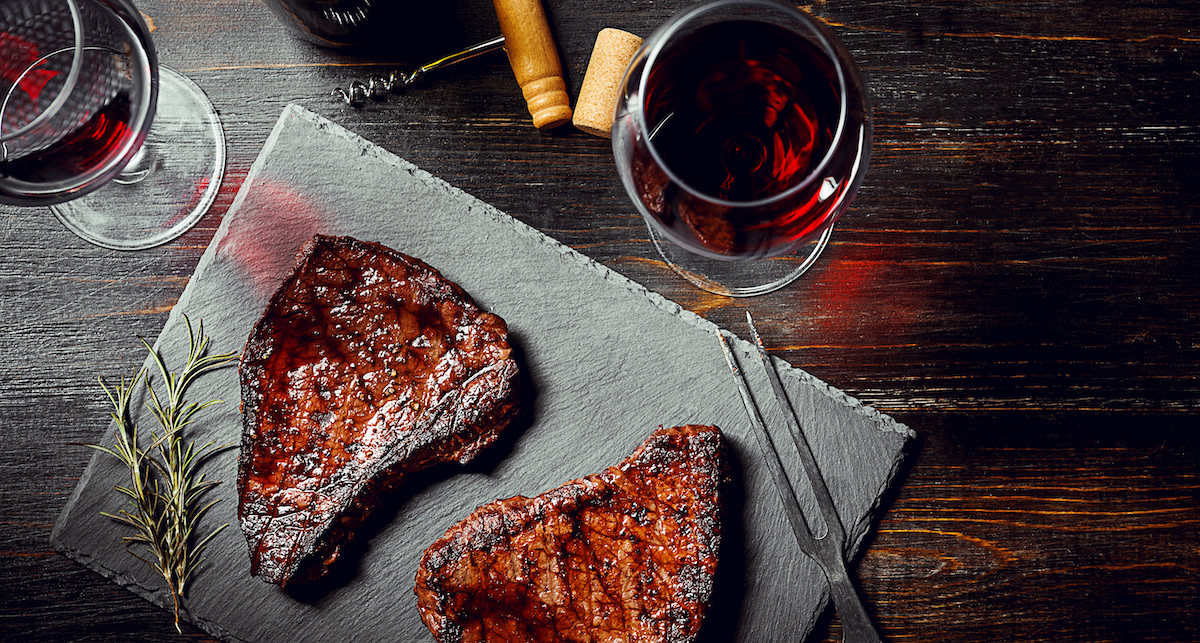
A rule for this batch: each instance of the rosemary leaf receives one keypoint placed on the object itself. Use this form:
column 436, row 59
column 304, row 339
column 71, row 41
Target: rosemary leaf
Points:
column 165, row 489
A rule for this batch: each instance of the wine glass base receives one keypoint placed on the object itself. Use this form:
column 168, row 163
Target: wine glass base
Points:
column 168, row 186
column 740, row 278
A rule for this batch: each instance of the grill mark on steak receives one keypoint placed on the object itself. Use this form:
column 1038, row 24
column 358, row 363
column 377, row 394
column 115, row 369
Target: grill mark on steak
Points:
column 627, row 554
column 366, row 366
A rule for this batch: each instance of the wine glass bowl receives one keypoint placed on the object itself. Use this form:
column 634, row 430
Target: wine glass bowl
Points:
column 127, row 154
column 742, row 132
column 78, row 99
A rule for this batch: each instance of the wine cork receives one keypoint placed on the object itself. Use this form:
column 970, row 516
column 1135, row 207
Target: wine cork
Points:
column 602, row 81
column 534, row 60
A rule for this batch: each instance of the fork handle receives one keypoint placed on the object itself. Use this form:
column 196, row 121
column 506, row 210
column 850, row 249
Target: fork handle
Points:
column 856, row 623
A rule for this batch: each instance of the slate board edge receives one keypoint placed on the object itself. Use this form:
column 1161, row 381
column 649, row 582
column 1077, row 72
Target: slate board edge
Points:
column 159, row 596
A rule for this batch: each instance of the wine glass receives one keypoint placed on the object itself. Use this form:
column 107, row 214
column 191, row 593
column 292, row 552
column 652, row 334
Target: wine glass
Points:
column 742, row 132
column 127, row 154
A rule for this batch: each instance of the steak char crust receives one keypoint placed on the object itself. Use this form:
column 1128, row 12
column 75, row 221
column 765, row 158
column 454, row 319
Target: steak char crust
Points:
column 366, row 366
column 627, row 554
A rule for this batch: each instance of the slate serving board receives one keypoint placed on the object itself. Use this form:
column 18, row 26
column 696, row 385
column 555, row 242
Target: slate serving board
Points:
column 606, row 362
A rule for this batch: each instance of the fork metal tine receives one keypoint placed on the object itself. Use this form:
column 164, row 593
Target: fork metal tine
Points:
column 833, row 523
column 770, row 455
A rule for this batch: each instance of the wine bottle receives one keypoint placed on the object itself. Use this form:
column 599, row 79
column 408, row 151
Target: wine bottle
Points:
column 329, row 23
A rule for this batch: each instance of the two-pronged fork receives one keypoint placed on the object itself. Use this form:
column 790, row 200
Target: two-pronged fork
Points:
column 826, row 550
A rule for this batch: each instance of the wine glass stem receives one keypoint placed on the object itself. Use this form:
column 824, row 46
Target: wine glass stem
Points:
column 139, row 167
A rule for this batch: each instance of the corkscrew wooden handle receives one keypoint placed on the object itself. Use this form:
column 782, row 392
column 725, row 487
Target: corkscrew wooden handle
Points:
column 534, row 60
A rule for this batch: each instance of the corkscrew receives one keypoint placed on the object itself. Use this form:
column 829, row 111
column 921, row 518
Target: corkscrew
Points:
column 377, row 87
column 527, row 40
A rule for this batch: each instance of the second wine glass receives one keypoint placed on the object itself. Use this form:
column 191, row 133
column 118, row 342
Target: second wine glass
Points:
column 741, row 134
column 128, row 154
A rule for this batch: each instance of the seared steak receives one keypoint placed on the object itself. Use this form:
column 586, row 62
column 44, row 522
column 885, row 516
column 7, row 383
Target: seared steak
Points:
column 366, row 366
column 627, row 554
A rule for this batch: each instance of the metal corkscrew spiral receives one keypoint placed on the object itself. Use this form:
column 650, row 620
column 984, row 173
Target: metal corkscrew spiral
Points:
column 378, row 87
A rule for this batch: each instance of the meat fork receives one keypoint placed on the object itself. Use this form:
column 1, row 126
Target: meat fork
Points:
column 826, row 550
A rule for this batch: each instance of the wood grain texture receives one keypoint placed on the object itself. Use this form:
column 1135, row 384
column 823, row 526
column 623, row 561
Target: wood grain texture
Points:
column 1019, row 281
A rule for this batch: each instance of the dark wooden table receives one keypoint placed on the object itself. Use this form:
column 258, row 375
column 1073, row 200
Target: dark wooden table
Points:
column 1019, row 281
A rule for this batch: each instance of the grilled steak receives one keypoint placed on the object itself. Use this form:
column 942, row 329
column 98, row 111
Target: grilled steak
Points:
column 623, row 555
column 366, row 366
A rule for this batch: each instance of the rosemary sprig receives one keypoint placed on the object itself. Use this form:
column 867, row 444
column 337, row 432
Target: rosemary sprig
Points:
column 164, row 489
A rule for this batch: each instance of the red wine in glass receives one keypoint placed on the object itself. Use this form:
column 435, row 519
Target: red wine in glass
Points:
column 87, row 147
column 742, row 134
column 90, row 140
column 740, row 112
